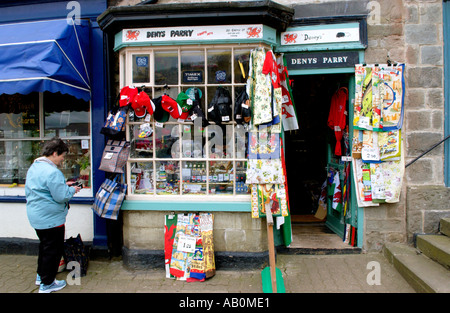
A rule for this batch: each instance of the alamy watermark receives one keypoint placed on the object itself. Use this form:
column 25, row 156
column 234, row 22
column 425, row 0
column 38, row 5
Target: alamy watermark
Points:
column 374, row 16
column 74, row 15
column 374, row 276
column 74, row 276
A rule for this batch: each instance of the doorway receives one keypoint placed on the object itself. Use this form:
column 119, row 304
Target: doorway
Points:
column 307, row 152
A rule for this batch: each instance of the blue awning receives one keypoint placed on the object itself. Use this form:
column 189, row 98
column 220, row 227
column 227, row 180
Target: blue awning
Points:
column 45, row 56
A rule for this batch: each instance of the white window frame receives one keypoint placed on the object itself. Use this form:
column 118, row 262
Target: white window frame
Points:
column 125, row 79
column 20, row 189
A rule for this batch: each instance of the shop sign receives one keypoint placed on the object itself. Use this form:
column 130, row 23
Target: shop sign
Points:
column 197, row 33
column 334, row 59
column 311, row 35
column 191, row 77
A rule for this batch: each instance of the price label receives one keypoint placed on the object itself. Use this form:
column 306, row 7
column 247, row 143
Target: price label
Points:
column 370, row 154
column 186, row 244
column 364, row 122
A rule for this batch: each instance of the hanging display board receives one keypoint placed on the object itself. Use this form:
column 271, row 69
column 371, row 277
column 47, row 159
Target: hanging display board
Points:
column 188, row 246
column 378, row 159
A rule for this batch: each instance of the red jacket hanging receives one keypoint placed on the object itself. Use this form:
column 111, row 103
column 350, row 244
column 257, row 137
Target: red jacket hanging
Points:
column 336, row 117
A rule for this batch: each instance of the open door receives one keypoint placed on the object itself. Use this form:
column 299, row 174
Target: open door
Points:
column 310, row 151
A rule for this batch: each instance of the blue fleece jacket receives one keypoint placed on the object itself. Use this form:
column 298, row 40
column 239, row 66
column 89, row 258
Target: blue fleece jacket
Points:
column 47, row 195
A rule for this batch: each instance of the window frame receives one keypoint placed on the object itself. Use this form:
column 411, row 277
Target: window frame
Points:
column 19, row 190
column 125, row 79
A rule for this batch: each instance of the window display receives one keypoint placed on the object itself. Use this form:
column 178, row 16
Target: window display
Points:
column 173, row 153
column 23, row 131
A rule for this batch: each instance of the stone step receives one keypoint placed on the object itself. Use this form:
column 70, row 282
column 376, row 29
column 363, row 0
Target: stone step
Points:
column 422, row 273
column 444, row 227
column 436, row 247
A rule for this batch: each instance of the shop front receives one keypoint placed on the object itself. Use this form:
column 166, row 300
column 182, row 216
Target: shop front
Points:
column 205, row 54
column 50, row 85
column 182, row 166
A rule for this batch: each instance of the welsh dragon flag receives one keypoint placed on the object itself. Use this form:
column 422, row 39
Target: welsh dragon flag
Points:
column 288, row 108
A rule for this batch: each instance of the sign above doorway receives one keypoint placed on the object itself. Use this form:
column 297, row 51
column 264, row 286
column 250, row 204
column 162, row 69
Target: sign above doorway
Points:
column 320, row 60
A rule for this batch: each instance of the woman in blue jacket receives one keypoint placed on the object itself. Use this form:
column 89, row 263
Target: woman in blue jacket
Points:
column 48, row 198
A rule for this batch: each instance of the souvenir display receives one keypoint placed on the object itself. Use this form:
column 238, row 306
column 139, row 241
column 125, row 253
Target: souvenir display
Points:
column 378, row 161
column 188, row 246
column 288, row 108
column 268, row 197
column 379, row 95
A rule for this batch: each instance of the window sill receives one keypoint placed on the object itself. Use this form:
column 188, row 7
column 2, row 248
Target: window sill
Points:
column 210, row 205
column 22, row 199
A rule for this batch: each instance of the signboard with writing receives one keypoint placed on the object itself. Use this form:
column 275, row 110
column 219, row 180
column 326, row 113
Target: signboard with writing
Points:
column 193, row 33
column 191, row 77
column 333, row 59
column 325, row 34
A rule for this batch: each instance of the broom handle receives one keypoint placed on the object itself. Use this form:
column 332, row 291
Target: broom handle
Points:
column 269, row 220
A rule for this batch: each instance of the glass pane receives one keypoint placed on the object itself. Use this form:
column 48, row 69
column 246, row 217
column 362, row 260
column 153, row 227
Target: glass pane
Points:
column 221, row 177
column 241, row 187
column 15, row 159
column 220, row 141
column 141, row 68
column 241, row 142
column 193, row 141
column 66, row 116
column 192, row 67
column 241, row 61
column 142, row 178
column 167, row 178
column 166, row 67
column 141, row 137
column 77, row 165
column 219, row 66
column 194, row 177
column 167, row 144
column 19, row 115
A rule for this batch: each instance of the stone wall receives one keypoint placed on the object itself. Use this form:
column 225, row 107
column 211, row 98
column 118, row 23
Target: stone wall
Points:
column 411, row 32
column 233, row 231
column 238, row 239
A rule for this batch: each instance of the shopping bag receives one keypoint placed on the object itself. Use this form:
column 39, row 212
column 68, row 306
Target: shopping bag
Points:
column 114, row 126
column 115, row 155
column 114, row 202
column 76, row 251
column 102, row 195
column 109, row 199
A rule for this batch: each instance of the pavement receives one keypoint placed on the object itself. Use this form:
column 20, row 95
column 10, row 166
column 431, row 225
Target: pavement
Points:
column 342, row 273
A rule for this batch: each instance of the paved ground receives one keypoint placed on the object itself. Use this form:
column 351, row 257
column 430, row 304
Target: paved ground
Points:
column 301, row 274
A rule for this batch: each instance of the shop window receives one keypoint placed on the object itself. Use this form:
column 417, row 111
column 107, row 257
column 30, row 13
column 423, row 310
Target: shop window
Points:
column 27, row 121
column 166, row 67
column 177, row 157
column 141, row 66
column 219, row 66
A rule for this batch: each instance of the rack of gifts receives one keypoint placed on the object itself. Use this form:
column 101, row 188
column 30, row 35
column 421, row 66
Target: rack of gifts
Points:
column 272, row 110
column 378, row 161
column 188, row 246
